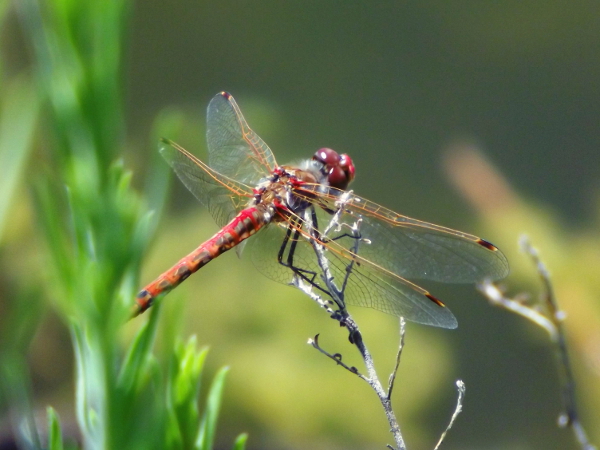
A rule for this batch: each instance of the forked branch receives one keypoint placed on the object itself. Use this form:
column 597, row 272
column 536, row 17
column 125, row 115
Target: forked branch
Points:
column 341, row 314
column 546, row 314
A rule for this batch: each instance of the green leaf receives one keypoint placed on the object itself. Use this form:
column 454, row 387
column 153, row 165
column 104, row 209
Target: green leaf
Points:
column 186, row 370
column 240, row 442
column 15, row 391
column 18, row 115
column 208, row 426
column 55, row 441
column 92, row 396
column 136, row 361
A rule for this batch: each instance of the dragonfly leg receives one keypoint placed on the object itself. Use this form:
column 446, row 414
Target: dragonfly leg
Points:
column 355, row 234
column 290, row 241
column 355, row 237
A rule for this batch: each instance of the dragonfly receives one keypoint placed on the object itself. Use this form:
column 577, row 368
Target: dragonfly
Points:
column 280, row 210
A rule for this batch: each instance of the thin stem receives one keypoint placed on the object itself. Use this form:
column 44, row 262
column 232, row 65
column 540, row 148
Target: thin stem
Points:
column 398, row 355
column 460, row 385
column 571, row 417
column 344, row 317
column 550, row 318
column 337, row 357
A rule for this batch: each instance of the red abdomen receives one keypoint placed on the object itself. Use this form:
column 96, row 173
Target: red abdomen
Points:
column 244, row 225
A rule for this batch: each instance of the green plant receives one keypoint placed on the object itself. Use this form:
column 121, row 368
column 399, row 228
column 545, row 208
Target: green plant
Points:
column 96, row 229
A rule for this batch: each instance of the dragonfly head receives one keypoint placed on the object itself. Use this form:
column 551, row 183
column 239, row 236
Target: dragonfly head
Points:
column 339, row 169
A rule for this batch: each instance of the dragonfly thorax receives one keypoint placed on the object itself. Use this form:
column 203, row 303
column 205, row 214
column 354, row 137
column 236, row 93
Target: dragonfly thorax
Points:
column 279, row 190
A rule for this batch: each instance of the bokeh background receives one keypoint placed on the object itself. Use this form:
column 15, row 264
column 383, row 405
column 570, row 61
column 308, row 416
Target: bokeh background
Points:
column 481, row 116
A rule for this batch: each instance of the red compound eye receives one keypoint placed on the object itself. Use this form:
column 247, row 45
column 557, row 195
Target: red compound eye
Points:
column 337, row 178
column 327, row 156
column 347, row 166
column 339, row 168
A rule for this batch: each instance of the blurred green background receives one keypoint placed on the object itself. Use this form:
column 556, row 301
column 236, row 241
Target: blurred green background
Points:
column 415, row 92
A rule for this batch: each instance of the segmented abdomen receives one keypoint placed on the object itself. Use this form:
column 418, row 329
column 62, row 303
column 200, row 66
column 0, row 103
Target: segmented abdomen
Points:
column 244, row 225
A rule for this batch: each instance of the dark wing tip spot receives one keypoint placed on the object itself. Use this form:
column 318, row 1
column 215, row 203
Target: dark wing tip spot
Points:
column 435, row 300
column 226, row 95
column 487, row 245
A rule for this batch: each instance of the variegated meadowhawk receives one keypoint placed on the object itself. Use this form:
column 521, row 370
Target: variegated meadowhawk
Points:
column 248, row 193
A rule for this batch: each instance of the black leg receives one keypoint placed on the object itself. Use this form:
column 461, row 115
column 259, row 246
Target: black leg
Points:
column 290, row 241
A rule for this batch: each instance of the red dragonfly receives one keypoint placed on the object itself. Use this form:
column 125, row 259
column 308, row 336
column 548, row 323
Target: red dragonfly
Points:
column 246, row 191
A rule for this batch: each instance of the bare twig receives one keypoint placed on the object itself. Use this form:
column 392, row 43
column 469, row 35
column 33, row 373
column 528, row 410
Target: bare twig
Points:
column 550, row 318
column 337, row 357
column 460, row 385
column 307, row 288
column 398, row 355
column 356, row 338
column 516, row 305
column 344, row 318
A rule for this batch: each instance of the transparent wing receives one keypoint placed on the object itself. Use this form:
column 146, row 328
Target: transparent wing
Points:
column 414, row 249
column 223, row 196
column 367, row 285
column 234, row 150
column 386, row 249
